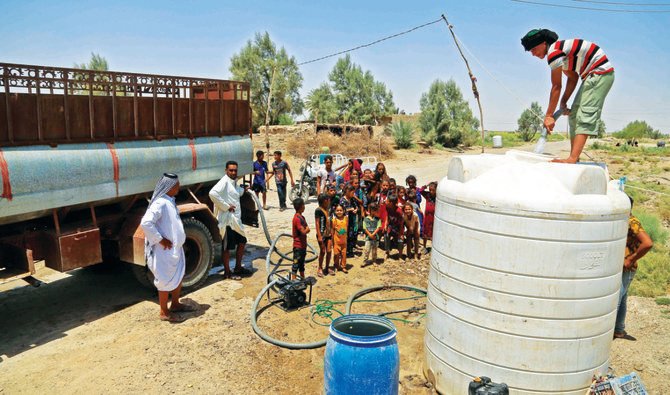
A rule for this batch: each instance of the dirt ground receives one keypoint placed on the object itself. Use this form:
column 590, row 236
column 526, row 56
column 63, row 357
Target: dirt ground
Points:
column 95, row 330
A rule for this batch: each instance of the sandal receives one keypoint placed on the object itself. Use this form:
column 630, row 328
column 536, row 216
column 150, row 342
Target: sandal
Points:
column 173, row 318
column 231, row 276
column 242, row 271
column 320, row 273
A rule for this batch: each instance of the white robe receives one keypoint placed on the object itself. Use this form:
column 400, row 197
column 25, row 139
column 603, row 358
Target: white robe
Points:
column 225, row 193
column 162, row 221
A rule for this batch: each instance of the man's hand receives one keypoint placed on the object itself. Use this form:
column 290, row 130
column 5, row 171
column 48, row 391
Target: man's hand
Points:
column 167, row 244
column 549, row 123
column 564, row 109
column 628, row 263
column 292, row 183
column 231, row 208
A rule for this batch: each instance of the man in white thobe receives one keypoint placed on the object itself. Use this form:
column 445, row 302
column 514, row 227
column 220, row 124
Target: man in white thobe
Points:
column 226, row 198
column 164, row 240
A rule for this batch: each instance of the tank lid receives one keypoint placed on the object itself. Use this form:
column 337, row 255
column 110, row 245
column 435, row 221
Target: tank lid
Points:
column 522, row 181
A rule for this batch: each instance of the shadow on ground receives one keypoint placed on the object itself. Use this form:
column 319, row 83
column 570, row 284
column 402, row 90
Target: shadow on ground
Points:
column 33, row 316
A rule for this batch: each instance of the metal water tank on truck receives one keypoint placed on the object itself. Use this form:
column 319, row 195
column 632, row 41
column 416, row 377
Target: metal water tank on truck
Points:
column 81, row 151
column 525, row 274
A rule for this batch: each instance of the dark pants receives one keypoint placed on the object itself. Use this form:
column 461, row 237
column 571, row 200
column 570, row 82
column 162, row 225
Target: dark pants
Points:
column 352, row 235
column 281, row 191
column 298, row 260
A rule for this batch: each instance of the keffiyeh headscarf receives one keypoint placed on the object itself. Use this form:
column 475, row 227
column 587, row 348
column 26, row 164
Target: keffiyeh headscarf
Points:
column 167, row 182
column 536, row 37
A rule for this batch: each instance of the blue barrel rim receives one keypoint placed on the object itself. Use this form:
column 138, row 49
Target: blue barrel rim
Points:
column 392, row 333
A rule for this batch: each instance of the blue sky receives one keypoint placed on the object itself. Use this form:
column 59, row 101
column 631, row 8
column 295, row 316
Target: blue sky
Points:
column 197, row 38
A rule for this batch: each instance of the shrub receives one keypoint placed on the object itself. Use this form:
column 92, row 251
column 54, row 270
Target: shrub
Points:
column 403, row 134
column 663, row 301
column 285, row 119
column 653, row 226
column 653, row 274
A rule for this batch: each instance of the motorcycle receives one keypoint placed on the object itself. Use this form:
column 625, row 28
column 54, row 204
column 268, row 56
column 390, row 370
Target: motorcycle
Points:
column 306, row 186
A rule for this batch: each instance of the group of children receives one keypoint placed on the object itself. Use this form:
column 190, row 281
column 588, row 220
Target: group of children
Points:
column 367, row 203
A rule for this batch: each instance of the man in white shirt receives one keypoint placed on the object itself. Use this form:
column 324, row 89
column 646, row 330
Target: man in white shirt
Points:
column 164, row 240
column 226, row 198
column 325, row 176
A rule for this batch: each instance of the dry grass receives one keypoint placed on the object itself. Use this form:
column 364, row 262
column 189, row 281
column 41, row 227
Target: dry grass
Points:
column 351, row 145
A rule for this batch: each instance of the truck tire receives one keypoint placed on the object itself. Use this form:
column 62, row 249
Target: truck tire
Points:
column 199, row 251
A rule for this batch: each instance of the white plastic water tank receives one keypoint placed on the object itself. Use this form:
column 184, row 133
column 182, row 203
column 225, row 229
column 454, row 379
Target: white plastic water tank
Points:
column 497, row 142
column 525, row 274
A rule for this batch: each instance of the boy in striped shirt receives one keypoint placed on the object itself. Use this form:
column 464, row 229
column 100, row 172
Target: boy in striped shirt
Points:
column 576, row 58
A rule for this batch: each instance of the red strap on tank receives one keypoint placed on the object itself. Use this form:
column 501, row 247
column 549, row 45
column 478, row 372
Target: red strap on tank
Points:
column 115, row 162
column 6, row 185
column 194, row 155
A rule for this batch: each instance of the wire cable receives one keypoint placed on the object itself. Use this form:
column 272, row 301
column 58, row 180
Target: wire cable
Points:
column 623, row 3
column 591, row 8
column 371, row 43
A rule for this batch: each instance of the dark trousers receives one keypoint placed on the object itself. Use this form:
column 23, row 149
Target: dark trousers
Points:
column 281, row 191
column 352, row 234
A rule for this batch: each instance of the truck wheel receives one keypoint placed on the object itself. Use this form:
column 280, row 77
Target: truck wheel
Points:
column 199, row 251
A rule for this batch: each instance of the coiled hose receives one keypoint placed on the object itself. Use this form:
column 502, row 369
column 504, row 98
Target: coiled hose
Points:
column 272, row 267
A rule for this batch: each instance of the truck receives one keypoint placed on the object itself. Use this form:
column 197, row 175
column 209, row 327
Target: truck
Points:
column 82, row 150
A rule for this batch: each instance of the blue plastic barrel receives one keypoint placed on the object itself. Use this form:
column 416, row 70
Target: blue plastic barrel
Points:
column 361, row 356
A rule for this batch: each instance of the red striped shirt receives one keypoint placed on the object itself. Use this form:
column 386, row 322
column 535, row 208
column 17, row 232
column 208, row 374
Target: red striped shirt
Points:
column 579, row 55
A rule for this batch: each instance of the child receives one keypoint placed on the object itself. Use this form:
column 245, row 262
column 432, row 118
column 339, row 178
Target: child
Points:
column 402, row 196
column 323, row 233
column 393, row 186
column 412, row 200
column 383, row 193
column 372, row 226
column 258, row 185
column 429, row 213
column 393, row 226
column 412, row 236
column 279, row 169
column 350, row 207
column 339, row 232
column 362, row 200
column 411, row 183
column 300, row 230
column 331, row 191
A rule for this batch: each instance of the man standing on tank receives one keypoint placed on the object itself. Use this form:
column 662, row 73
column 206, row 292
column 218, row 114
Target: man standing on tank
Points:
column 575, row 58
column 226, row 198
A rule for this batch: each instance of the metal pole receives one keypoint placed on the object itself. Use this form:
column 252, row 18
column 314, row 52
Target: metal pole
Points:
column 267, row 111
column 475, row 91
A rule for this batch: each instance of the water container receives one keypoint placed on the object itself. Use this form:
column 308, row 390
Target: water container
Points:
column 525, row 274
column 497, row 142
column 361, row 356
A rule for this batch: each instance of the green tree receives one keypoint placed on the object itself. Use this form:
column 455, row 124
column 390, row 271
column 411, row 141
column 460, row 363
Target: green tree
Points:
column 358, row 97
column 320, row 103
column 530, row 122
column 403, row 134
column 96, row 63
column 446, row 118
column 255, row 64
column 601, row 128
column 636, row 130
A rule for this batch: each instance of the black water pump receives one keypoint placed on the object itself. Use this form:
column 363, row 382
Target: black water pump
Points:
column 292, row 293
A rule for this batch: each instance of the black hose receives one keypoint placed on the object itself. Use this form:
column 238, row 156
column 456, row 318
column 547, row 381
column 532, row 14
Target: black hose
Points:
column 364, row 291
column 311, row 256
column 271, row 340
